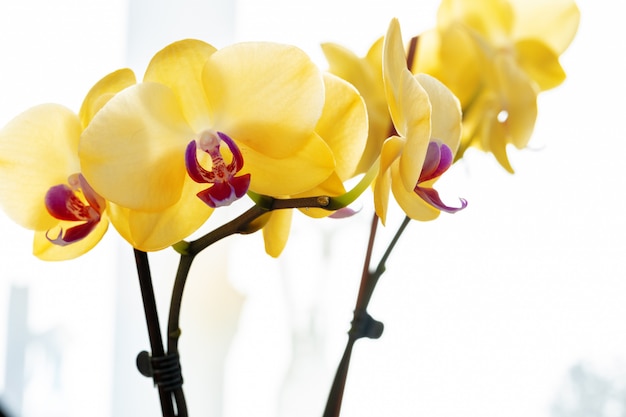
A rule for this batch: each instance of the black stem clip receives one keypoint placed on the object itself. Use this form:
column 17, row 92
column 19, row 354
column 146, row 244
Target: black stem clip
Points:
column 164, row 370
column 364, row 325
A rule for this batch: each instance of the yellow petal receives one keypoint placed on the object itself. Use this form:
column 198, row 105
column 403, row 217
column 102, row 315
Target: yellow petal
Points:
column 497, row 134
column 179, row 66
column 266, row 96
column 540, row 63
column 553, row 22
column 427, row 58
column 492, row 19
column 450, row 55
column 276, row 232
column 519, row 101
column 394, row 65
column 102, row 92
column 375, row 57
column 446, row 112
column 38, row 150
column 412, row 205
column 366, row 76
column 392, row 148
column 132, row 153
column 47, row 251
column 297, row 173
column 408, row 104
column 474, row 119
column 152, row 231
column 416, row 106
column 343, row 125
column 347, row 65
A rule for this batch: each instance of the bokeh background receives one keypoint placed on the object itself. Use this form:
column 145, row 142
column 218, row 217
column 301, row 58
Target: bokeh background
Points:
column 514, row 307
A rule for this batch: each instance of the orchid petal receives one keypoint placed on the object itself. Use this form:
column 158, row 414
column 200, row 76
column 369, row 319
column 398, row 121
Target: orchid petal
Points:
column 492, row 19
column 555, row 22
column 412, row 204
column 276, row 232
column 273, row 111
column 37, row 151
column 519, row 102
column 343, row 125
column 132, row 152
column 416, row 104
column 308, row 167
column 179, row 66
column 152, row 231
column 103, row 91
column 446, row 112
column 409, row 106
column 540, row 63
column 365, row 74
column 394, row 65
column 392, row 148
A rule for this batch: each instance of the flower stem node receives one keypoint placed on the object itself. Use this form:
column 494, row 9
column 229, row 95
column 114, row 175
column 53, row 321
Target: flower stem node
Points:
column 226, row 186
column 323, row 200
column 164, row 370
column 364, row 325
column 64, row 202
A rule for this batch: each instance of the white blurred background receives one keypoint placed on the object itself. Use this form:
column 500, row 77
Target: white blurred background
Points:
column 514, row 307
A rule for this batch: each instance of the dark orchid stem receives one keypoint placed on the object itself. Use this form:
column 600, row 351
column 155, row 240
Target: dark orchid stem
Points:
column 363, row 325
column 189, row 250
column 380, row 268
column 240, row 224
column 152, row 321
column 335, row 397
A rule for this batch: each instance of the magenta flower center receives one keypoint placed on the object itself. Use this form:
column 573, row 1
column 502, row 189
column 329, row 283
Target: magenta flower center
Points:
column 226, row 186
column 75, row 201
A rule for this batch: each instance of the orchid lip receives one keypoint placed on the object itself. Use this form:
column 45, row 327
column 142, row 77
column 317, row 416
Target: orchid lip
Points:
column 226, row 187
column 63, row 202
column 439, row 158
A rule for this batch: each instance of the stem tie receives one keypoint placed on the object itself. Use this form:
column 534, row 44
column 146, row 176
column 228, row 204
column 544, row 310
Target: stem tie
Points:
column 364, row 325
column 164, row 370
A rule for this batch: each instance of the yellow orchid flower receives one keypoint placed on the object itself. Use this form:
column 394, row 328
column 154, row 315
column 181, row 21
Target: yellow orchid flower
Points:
column 427, row 120
column 42, row 188
column 153, row 148
column 497, row 56
column 343, row 126
column 365, row 73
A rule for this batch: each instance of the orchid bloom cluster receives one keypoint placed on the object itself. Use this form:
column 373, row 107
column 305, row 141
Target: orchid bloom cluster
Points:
column 155, row 158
